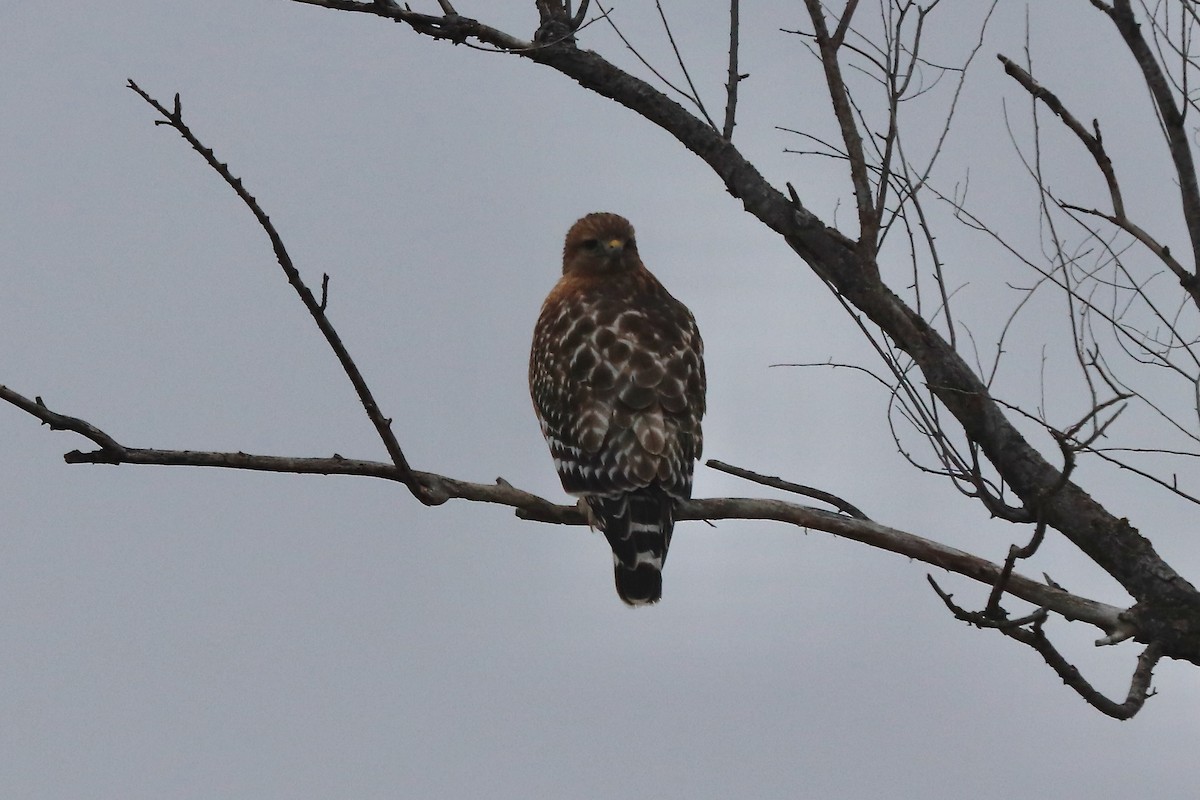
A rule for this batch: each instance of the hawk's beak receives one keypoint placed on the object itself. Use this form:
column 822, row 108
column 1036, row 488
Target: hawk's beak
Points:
column 614, row 247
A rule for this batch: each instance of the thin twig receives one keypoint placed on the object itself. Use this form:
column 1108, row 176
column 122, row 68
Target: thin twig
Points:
column 692, row 98
column 731, row 86
column 787, row 486
column 1160, row 251
column 1095, row 144
column 1035, row 637
column 1092, row 141
column 988, row 618
column 60, row 422
column 1016, row 553
column 687, row 76
column 316, row 308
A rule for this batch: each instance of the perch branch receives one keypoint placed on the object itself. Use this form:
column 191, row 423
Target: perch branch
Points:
column 439, row 488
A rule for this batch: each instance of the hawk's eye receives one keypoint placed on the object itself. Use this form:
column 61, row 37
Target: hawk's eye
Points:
column 591, row 244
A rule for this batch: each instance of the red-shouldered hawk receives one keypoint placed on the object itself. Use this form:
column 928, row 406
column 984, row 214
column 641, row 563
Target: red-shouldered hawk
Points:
column 617, row 379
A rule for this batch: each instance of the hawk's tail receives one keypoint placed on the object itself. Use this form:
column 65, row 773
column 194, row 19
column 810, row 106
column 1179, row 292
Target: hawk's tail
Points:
column 638, row 526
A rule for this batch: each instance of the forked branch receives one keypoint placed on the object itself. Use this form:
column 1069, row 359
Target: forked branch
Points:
column 1170, row 115
column 1139, row 684
column 1029, row 631
column 828, row 46
column 1095, row 145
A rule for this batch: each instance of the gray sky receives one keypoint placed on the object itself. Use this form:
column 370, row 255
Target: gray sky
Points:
column 188, row 633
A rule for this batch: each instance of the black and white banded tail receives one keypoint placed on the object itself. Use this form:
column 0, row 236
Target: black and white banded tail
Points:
column 638, row 526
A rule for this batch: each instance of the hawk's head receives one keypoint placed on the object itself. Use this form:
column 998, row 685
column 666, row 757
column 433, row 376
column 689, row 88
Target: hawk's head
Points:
column 600, row 243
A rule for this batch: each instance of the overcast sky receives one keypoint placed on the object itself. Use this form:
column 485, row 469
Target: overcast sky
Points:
column 173, row 633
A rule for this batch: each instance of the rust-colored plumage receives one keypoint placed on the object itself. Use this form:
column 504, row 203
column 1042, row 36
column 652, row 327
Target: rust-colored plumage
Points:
column 616, row 374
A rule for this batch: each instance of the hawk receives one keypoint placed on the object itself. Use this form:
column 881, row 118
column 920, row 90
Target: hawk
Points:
column 616, row 373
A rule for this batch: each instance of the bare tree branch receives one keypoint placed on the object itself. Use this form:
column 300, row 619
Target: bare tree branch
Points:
column 1139, row 685
column 60, row 422
column 1168, row 606
column 580, row 15
column 1091, row 141
column 778, row 483
column 1172, row 119
column 691, row 96
column 828, row 46
column 316, row 308
column 451, row 27
column 687, row 76
column 1161, row 252
column 1095, row 146
column 731, row 85
column 992, row 616
column 1035, row 637
column 839, row 35
column 440, row 488
column 1167, row 613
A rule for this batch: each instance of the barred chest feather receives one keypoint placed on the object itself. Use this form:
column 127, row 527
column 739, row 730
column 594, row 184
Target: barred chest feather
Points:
column 617, row 380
